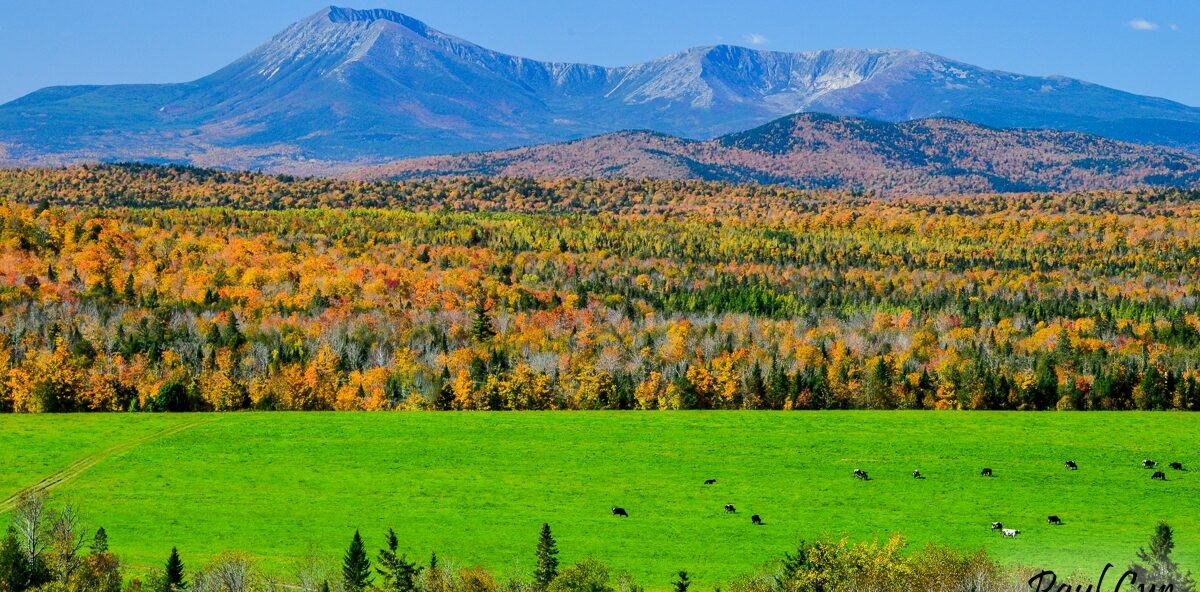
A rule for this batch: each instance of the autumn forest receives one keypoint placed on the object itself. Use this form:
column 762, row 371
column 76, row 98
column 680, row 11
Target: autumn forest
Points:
column 145, row 288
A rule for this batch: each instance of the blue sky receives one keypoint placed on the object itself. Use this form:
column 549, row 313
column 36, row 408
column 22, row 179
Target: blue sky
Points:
column 1146, row 46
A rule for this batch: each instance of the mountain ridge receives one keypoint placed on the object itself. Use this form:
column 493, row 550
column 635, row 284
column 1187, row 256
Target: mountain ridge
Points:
column 820, row 151
column 345, row 87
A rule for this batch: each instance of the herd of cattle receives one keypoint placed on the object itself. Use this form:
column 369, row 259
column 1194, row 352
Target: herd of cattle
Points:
column 1052, row 519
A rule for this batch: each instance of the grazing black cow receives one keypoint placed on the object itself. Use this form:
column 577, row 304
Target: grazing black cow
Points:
column 1176, row 466
column 620, row 512
column 730, row 508
column 917, row 475
column 1053, row 519
column 1161, row 476
column 1149, row 464
column 755, row 519
column 710, row 481
column 1071, row 465
column 997, row 526
column 861, row 474
column 986, row 472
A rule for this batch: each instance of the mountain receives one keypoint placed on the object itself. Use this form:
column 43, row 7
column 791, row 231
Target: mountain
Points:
column 823, row 151
column 348, row 87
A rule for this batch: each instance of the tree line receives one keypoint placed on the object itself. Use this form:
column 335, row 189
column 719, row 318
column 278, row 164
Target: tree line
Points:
column 516, row 294
column 45, row 549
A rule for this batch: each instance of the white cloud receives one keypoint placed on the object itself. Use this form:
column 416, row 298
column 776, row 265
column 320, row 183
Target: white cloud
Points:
column 756, row 39
column 1141, row 24
column 1173, row 27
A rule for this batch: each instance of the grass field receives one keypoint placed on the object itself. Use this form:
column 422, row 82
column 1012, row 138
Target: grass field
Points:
column 476, row 487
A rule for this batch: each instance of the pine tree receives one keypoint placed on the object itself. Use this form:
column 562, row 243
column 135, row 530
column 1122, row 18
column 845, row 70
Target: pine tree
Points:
column 100, row 542
column 127, row 291
column 1044, row 392
column 1155, row 565
column 399, row 575
column 681, row 585
column 14, row 565
column 756, row 387
column 173, row 580
column 793, row 565
column 356, row 567
column 482, row 328
column 547, row 559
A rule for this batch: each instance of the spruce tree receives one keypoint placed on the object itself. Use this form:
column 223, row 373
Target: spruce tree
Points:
column 547, row 559
column 173, row 580
column 399, row 575
column 14, row 565
column 681, row 585
column 792, row 566
column 356, row 567
column 756, row 387
column 127, row 291
column 481, row 327
column 100, row 542
column 1155, row 565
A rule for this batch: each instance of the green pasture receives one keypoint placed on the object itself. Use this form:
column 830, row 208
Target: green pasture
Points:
column 475, row 488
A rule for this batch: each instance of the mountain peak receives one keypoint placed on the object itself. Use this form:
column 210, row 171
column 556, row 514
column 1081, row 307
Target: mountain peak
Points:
column 338, row 14
column 345, row 84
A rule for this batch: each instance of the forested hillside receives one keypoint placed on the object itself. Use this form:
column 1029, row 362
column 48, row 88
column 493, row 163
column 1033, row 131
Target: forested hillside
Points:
column 249, row 291
column 815, row 151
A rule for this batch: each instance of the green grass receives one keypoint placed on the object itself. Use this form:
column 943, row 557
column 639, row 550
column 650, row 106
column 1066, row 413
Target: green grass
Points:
column 476, row 487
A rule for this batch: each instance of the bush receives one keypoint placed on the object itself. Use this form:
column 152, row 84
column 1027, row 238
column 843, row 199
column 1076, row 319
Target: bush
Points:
column 588, row 575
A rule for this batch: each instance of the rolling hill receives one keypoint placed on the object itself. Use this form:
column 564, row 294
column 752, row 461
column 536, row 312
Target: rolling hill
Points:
column 822, row 151
column 344, row 88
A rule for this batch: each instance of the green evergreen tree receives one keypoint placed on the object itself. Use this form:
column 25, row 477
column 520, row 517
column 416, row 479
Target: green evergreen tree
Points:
column 878, row 385
column 356, row 566
column 681, row 585
column 399, row 574
column 547, row 559
column 1155, row 565
column 1043, row 394
column 482, row 328
column 100, row 542
column 127, row 292
column 792, row 566
column 756, row 387
column 14, row 565
column 1152, row 388
column 173, row 573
